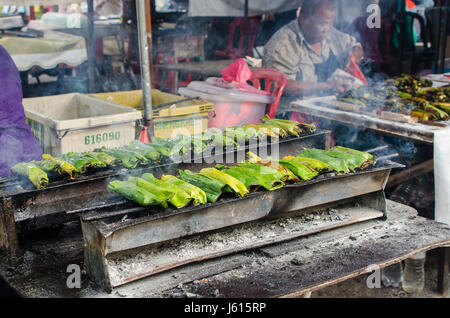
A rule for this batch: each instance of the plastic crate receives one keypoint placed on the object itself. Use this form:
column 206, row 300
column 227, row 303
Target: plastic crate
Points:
column 189, row 117
column 79, row 123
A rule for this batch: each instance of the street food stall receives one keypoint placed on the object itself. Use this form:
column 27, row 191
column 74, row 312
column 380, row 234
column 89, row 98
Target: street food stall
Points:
column 258, row 209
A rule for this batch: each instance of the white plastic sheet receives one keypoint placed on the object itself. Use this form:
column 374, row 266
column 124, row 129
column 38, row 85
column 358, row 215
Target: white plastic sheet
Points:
column 236, row 8
column 442, row 175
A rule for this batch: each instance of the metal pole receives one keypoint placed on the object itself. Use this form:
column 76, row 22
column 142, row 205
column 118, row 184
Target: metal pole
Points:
column 438, row 44
column 150, row 35
column 145, row 64
column 91, row 47
column 247, row 31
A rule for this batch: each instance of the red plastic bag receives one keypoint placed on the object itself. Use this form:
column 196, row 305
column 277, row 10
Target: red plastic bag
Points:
column 354, row 70
column 237, row 72
column 236, row 75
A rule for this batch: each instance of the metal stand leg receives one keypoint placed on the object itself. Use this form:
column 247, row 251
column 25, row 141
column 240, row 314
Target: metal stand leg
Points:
column 444, row 264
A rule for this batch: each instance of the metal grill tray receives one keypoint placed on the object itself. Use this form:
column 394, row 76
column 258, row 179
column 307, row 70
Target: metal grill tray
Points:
column 17, row 185
column 228, row 211
column 112, row 236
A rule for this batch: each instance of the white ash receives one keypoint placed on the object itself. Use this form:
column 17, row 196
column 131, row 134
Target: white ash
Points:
column 152, row 259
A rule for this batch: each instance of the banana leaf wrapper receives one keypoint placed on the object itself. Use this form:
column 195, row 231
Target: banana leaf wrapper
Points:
column 195, row 192
column 242, row 134
column 317, row 165
column 143, row 150
column 353, row 161
column 291, row 127
column 271, row 132
column 257, row 163
column 82, row 161
column 180, row 197
column 212, row 187
column 141, row 158
column 127, row 159
column 77, row 160
column 198, row 146
column 443, row 106
column 161, row 147
column 50, row 163
column 163, row 194
column 36, row 175
column 108, row 160
column 442, row 115
column 368, row 158
column 234, row 184
column 215, row 137
column 134, row 193
column 337, row 164
column 250, row 178
column 177, row 146
column 423, row 115
column 301, row 127
column 302, row 171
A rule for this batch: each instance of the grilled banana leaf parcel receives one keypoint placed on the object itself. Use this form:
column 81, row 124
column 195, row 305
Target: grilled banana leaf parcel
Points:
column 250, row 177
column 337, row 164
column 369, row 158
column 160, row 145
column 134, row 193
column 242, row 134
column 36, row 175
column 317, row 165
column 301, row 127
column 177, row 146
column 291, row 127
column 233, row 184
column 198, row 146
column 142, row 159
column 144, row 150
column 300, row 170
column 180, row 197
column 127, row 159
column 216, row 137
column 267, row 131
column 81, row 161
column 163, row 194
column 212, row 187
column 50, row 163
column 353, row 161
column 103, row 157
column 196, row 193
column 255, row 162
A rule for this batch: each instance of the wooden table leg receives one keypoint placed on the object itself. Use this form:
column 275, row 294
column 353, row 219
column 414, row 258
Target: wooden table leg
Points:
column 8, row 236
column 444, row 264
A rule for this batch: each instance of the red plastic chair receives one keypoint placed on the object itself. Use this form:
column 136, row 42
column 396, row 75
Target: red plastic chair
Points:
column 275, row 81
column 234, row 53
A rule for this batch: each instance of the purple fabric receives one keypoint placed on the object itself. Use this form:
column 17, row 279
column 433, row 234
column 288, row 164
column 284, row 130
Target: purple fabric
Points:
column 17, row 142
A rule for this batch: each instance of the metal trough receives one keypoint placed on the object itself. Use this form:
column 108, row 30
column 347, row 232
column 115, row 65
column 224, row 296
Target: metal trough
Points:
column 117, row 234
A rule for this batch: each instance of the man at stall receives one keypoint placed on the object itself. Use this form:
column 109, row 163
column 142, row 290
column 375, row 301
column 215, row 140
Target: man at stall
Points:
column 309, row 50
column 17, row 142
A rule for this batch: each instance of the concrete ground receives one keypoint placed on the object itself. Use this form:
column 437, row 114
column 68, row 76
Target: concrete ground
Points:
column 357, row 288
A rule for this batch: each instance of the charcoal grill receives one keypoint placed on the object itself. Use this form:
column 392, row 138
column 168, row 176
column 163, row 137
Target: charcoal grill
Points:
column 114, row 236
column 24, row 209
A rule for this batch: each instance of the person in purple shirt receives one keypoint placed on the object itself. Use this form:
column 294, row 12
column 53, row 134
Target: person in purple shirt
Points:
column 17, row 143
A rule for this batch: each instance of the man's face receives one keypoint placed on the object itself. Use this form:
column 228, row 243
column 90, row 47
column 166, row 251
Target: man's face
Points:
column 318, row 26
